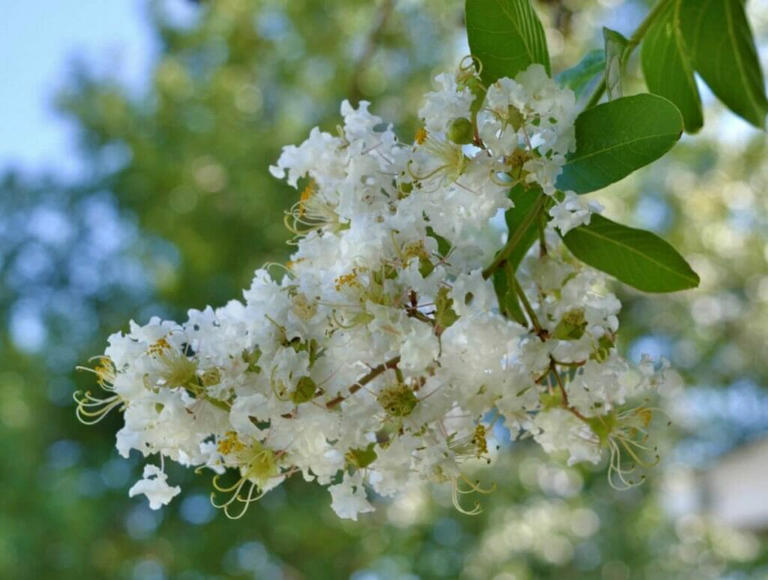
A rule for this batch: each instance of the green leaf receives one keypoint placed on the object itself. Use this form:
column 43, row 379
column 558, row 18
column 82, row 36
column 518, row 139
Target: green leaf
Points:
column 721, row 45
column 616, row 138
column 506, row 36
column 668, row 70
column 522, row 225
column 509, row 305
column 636, row 257
column 578, row 78
column 519, row 224
column 615, row 45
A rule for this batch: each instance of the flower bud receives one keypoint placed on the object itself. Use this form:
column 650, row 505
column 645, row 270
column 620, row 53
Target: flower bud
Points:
column 461, row 131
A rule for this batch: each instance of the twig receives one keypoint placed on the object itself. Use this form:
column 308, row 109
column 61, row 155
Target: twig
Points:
column 372, row 374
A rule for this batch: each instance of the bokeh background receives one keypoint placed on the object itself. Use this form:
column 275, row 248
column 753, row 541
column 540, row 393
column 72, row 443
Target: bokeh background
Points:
column 135, row 137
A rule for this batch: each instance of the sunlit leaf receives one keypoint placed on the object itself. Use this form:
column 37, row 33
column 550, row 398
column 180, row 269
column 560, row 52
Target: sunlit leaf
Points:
column 668, row 70
column 722, row 47
column 636, row 257
column 578, row 78
column 506, row 36
column 616, row 138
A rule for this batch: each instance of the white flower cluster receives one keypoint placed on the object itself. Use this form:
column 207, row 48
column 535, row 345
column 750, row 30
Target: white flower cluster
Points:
column 381, row 357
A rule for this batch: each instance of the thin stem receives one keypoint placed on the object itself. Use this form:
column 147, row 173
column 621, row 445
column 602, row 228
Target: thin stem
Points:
column 412, row 309
column 529, row 310
column 563, row 392
column 542, row 235
column 632, row 43
column 372, row 374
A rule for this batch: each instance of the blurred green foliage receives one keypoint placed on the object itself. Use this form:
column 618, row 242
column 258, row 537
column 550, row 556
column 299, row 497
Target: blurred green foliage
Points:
column 176, row 211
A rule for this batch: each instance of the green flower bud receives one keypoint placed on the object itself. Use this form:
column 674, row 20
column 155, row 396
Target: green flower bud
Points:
column 461, row 131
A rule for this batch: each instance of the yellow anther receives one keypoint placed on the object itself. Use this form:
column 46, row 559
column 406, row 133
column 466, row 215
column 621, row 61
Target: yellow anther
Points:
column 230, row 443
column 306, row 194
column 159, row 347
column 346, row 280
column 479, row 440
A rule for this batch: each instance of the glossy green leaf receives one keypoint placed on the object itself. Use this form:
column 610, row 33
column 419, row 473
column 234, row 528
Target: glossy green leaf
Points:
column 668, row 70
column 636, row 257
column 509, row 305
column 579, row 77
column 506, row 36
column 721, row 45
column 522, row 226
column 615, row 45
column 616, row 138
column 520, row 223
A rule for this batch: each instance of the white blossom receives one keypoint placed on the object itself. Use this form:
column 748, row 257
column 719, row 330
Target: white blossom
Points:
column 378, row 357
column 153, row 484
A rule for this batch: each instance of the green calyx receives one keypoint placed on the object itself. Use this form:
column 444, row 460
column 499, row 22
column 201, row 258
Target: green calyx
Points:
column 571, row 326
column 398, row 400
column 305, row 391
column 361, row 458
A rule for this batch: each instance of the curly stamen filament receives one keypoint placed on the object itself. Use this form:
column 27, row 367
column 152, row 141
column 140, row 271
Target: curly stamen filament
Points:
column 457, row 504
column 492, row 175
column 282, row 267
column 218, row 487
column 474, row 487
column 470, row 61
column 341, row 324
column 104, row 371
column 615, row 469
column 235, row 489
column 627, row 445
column 91, row 410
column 428, row 175
column 246, row 501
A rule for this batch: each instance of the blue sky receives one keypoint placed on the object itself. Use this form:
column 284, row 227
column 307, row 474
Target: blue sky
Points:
column 38, row 41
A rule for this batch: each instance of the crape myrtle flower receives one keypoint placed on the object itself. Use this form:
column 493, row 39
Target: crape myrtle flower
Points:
column 381, row 357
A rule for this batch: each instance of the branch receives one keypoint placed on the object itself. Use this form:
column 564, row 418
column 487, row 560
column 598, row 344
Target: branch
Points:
column 372, row 374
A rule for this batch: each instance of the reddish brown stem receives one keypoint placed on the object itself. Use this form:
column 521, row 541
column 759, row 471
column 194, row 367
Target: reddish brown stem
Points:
column 372, row 374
